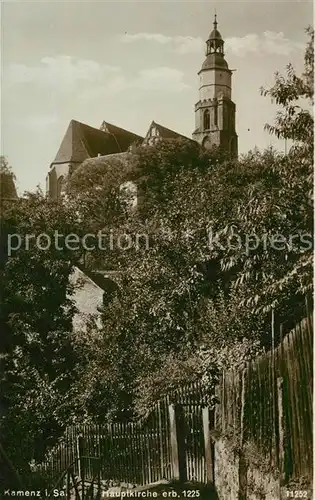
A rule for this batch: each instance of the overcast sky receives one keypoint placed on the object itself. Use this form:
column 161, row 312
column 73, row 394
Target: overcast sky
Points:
column 133, row 62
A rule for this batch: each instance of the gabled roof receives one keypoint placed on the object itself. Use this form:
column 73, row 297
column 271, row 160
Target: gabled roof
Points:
column 82, row 141
column 164, row 132
column 124, row 137
column 99, row 278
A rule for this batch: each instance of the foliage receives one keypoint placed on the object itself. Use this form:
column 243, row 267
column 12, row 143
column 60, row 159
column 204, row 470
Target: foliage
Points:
column 295, row 122
column 95, row 189
column 288, row 207
column 163, row 311
column 38, row 361
column 192, row 304
column 7, row 180
column 188, row 305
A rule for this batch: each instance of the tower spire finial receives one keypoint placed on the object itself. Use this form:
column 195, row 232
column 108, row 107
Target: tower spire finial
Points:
column 215, row 24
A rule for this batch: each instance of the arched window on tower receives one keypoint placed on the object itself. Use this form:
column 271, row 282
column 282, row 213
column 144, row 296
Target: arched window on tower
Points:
column 60, row 186
column 215, row 114
column 206, row 120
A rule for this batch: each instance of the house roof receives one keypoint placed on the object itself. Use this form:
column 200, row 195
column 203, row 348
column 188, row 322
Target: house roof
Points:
column 82, row 141
column 100, row 278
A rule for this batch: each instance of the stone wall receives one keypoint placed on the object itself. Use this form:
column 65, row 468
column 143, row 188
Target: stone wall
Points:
column 261, row 484
column 226, row 471
column 238, row 478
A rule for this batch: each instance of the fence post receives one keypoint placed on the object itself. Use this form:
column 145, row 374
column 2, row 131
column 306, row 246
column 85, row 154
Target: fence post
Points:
column 242, row 408
column 209, row 458
column 177, row 439
column 282, row 465
column 80, row 452
column 68, row 484
column 99, row 492
column 242, row 468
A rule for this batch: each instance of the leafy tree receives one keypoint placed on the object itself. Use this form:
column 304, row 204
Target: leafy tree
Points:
column 38, row 361
column 279, row 278
column 187, row 306
column 7, row 180
column 294, row 121
column 188, row 303
column 162, row 314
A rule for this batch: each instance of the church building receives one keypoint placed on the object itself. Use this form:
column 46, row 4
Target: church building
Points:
column 84, row 147
column 215, row 110
column 214, row 118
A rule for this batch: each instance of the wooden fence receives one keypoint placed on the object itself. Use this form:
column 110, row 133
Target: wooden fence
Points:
column 130, row 452
column 167, row 444
column 269, row 404
column 190, row 402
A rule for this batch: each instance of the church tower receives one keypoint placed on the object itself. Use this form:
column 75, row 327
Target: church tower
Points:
column 215, row 110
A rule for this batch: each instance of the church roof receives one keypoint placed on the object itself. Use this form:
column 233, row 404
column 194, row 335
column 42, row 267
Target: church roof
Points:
column 215, row 52
column 164, row 132
column 123, row 137
column 214, row 60
column 82, row 141
column 215, row 33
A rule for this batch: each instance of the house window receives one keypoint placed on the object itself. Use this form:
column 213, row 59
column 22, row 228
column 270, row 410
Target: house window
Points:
column 206, row 120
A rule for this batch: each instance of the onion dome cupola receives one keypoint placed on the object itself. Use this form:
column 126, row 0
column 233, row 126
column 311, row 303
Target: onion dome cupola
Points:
column 215, row 44
column 214, row 49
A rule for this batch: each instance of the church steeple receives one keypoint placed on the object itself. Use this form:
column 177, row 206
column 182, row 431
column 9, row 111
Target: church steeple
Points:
column 215, row 44
column 215, row 111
